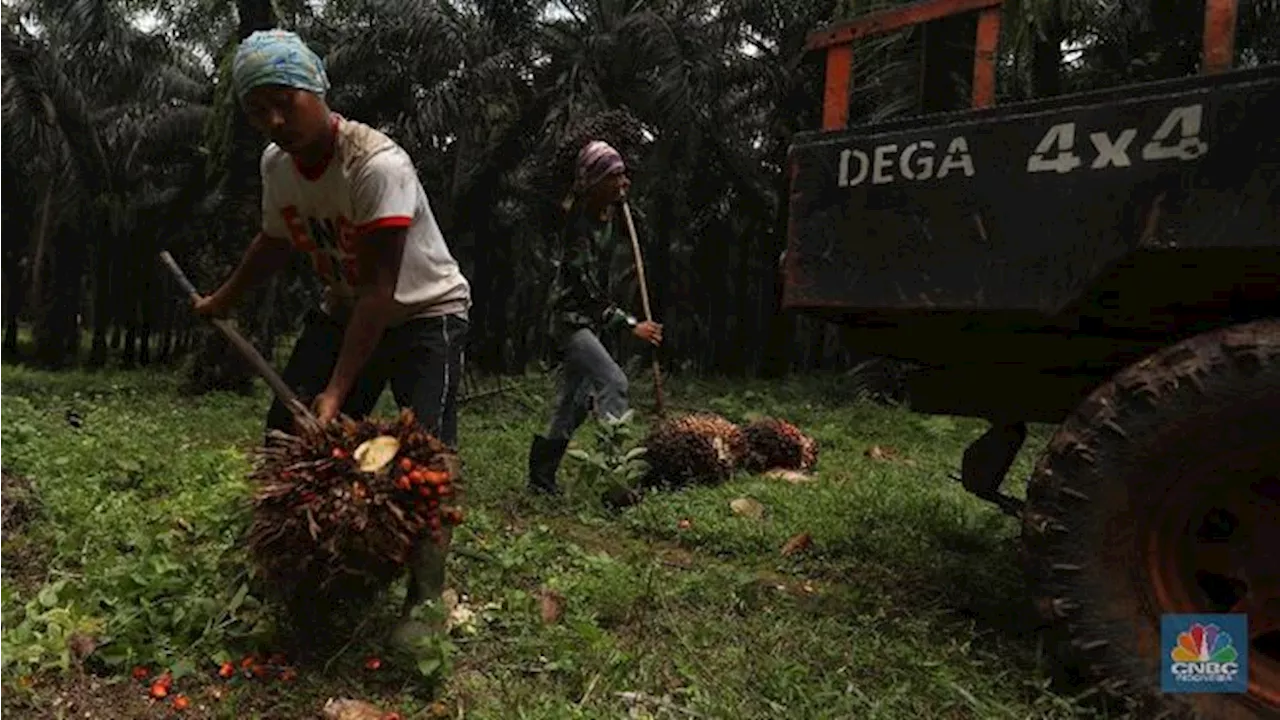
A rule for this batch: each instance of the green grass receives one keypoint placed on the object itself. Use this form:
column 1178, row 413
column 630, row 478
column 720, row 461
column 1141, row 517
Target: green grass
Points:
column 909, row 604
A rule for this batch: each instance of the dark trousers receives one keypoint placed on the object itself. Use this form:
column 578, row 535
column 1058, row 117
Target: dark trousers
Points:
column 422, row 359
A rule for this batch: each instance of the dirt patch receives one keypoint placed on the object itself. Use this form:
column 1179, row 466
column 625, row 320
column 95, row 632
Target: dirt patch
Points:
column 85, row 697
column 88, row 697
column 23, row 560
column 17, row 502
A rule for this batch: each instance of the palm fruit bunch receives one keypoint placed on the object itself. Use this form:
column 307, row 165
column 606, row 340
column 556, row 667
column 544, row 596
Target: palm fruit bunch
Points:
column 337, row 509
column 773, row 443
column 553, row 162
column 701, row 448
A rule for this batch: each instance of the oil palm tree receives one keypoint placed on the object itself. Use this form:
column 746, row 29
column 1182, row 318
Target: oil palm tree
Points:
column 88, row 100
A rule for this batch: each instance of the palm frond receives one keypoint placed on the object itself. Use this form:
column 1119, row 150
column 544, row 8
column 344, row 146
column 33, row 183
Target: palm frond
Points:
column 168, row 134
column 170, row 82
column 418, row 37
column 47, row 89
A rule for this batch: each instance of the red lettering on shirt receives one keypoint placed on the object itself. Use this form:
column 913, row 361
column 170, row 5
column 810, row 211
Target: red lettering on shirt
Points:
column 302, row 241
column 345, row 235
column 297, row 231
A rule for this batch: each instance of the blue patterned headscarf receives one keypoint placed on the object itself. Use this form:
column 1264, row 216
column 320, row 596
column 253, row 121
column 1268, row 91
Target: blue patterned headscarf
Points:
column 277, row 57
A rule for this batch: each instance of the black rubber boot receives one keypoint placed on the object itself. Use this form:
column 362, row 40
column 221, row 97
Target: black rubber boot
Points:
column 619, row 496
column 544, row 460
column 426, row 582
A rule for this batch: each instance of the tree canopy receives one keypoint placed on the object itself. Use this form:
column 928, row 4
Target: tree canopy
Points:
column 123, row 138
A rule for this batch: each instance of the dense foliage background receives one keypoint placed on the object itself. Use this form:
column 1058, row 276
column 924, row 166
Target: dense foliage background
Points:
column 120, row 138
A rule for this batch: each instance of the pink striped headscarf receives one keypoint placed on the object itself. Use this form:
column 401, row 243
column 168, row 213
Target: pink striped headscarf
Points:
column 596, row 161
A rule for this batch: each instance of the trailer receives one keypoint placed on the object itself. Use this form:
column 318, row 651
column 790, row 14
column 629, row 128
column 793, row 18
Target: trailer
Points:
column 1108, row 262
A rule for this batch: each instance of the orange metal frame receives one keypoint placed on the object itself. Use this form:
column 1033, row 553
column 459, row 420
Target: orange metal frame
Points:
column 1219, row 35
column 838, row 39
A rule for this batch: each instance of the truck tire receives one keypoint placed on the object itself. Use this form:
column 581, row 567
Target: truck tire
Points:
column 1160, row 494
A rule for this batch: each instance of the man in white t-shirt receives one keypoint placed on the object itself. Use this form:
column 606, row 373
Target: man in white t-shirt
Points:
column 396, row 303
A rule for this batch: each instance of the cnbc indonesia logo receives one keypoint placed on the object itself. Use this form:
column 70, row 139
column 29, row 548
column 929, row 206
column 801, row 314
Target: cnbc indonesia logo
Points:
column 1205, row 654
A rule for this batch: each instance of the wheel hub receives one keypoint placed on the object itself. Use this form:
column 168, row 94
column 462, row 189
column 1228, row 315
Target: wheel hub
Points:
column 1212, row 548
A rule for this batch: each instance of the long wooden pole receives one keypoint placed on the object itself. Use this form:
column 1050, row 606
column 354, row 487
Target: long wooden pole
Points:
column 644, row 298
column 246, row 349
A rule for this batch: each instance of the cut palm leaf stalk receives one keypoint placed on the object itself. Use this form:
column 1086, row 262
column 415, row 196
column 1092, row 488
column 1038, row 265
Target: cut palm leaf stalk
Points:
column 696, row 449
column 374, row 454
column 337, row 511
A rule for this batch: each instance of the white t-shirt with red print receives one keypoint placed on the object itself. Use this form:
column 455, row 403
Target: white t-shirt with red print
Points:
column 368, row 183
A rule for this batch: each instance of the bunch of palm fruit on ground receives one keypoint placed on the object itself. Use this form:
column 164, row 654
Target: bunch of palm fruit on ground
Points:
column 705, row 449
column 338, row 508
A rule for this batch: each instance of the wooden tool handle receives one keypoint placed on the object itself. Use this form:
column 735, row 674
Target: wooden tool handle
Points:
column 644, row 298
column 246, row 349
column 635, row 249
column 178, row 275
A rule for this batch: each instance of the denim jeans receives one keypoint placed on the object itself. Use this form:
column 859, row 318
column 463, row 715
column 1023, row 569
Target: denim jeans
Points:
column 422, row 359
column 587, row 372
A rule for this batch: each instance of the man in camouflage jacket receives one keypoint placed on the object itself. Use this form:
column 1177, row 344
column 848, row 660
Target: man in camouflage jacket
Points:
column 581, row 310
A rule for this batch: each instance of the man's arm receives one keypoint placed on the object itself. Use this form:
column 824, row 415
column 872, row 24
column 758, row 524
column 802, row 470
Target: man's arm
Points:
column 581, row 279
column 379, row 258
column 384, row 201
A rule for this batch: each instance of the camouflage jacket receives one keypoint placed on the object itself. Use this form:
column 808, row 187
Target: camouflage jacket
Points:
column 582, row 289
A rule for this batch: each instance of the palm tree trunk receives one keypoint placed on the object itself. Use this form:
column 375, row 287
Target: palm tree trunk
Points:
column 147, row 317
column 216, row 365
column 711, row 323
column 485, row 299
column 667, row 235
column 505, row 287
column 36, row 291
column 58, row 332
column 130, row 355
column 166, row 334
column 781, row 326
column 746, row 248
column 255, row 15
column 102, row 309
column 14, row 292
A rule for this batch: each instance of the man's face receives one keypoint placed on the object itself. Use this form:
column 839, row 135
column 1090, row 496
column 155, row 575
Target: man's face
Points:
column 612, row 188
column 291, row 118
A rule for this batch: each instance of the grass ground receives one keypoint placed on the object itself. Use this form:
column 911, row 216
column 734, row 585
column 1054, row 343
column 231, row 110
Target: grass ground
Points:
column 908, row 603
